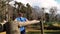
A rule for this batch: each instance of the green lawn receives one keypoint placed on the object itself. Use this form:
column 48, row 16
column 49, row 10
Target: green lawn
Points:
column 45, row 32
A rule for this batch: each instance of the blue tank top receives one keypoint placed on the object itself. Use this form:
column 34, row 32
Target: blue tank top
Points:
column 22, row 20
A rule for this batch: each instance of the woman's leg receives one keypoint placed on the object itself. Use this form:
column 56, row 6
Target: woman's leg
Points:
column 23, row 32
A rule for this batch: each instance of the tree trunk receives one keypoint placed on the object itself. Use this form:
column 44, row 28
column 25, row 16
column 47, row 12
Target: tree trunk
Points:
column 12, row 28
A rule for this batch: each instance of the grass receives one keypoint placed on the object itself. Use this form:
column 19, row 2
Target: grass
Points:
column 45, row 32
column 39, row 32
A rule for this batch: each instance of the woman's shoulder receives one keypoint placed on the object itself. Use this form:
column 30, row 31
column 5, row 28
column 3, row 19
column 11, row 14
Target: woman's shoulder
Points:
column 17, row 18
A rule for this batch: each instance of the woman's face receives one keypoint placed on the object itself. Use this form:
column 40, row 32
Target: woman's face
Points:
column 20, row 14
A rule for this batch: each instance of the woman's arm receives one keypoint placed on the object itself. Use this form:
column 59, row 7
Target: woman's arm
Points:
column 28, row 23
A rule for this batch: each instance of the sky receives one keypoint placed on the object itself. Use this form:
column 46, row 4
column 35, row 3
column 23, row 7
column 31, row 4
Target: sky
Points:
column 58, row 1
column 41, row 3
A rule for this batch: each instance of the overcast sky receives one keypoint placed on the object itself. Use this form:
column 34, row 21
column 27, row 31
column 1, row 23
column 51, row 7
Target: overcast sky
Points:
column 41, row 3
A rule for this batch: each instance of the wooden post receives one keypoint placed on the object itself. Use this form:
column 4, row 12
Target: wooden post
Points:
column 42, row 27
column 41, row 22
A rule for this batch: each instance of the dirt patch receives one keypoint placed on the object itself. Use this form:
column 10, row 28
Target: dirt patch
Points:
column 2, row 32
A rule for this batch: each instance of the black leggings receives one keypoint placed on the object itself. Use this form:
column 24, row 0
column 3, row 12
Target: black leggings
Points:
column 23, row 32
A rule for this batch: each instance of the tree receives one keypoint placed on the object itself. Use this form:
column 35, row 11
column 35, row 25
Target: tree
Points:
column 47, row 17
column 2, row 10
column 29, row 11
column 53, row 12
column 12, row 27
